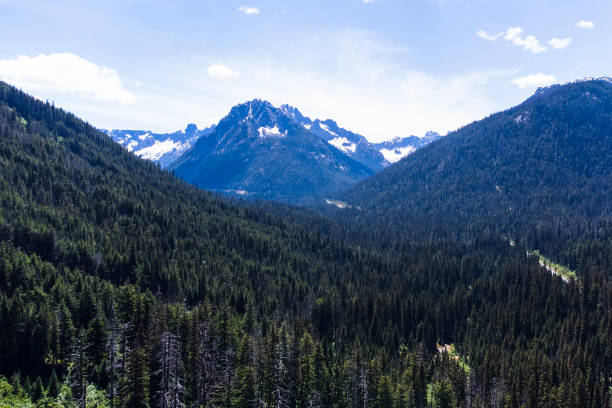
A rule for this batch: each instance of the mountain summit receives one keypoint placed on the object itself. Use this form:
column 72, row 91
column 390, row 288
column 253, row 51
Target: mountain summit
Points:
column 260, row 151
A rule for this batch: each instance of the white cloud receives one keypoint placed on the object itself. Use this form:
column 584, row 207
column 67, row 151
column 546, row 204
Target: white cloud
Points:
column 559, row 43
column 535, row 80
column 369, row 1
column 249, row 10
column 65, row 73
column 529, row 43
column 515, row 35
column 222, row 72
column 589, row 25
column 487, row 36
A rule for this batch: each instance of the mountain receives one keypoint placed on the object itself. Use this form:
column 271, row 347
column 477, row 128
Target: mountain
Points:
column 398, row 148
column 260, row 151
column 162, row 148
column 167, row 148
column 376, row 156
column 541, row 169
column 121, row 285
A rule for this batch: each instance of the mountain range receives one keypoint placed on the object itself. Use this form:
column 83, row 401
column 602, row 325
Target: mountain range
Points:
column 270, row 153
column 374, row 155
column 258, row 151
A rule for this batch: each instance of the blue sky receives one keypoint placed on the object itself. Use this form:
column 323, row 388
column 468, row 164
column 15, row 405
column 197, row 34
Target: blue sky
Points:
column 383, row 68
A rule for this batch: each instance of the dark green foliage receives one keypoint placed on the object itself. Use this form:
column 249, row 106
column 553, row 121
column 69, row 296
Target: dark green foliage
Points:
column 443, row 396
column 38, row 390
column 538, row 173
column 106, row 261
column 53, row 385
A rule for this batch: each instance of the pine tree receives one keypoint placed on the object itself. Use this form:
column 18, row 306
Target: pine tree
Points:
column 246, row 396
column 384, row 399
column 38, row 390
column 53, row 386
column 135, row 383
column 443, row 396
column 306, row 394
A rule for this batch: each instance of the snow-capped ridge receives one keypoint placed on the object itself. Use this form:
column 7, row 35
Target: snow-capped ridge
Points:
column 162, row 148
column 259, row 119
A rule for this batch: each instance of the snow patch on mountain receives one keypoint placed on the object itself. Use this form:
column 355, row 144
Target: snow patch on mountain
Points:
column 326, row 128
column 131, row 145
column 395, row 155
column 337, row 203
column 158, row 149
column 343, row 144
column 265, row 131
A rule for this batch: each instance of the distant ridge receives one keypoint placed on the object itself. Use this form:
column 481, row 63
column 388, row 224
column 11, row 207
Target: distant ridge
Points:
column 162, row 148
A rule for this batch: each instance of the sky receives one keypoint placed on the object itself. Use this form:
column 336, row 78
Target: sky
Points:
column 381, row 68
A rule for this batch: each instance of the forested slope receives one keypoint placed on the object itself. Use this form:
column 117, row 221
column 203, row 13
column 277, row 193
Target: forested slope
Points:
column 122, row 286
column 540, row 172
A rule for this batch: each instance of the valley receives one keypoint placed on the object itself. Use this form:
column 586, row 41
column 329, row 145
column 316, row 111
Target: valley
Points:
column 240, row 301
column 290, row 204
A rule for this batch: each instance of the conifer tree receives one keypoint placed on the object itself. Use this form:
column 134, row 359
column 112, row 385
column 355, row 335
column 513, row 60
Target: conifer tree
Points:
column 306, row 393
column 53, row 386
column 38, row 390
column 135, row 383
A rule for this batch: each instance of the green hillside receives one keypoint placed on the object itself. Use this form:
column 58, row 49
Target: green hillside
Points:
column 539, row 172
column 122, row 286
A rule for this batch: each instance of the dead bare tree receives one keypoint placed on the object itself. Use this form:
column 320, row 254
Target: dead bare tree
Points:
column 171, row 390
column 113, row 361
column 206, row 365
column 78, row 370
column 281, row 391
